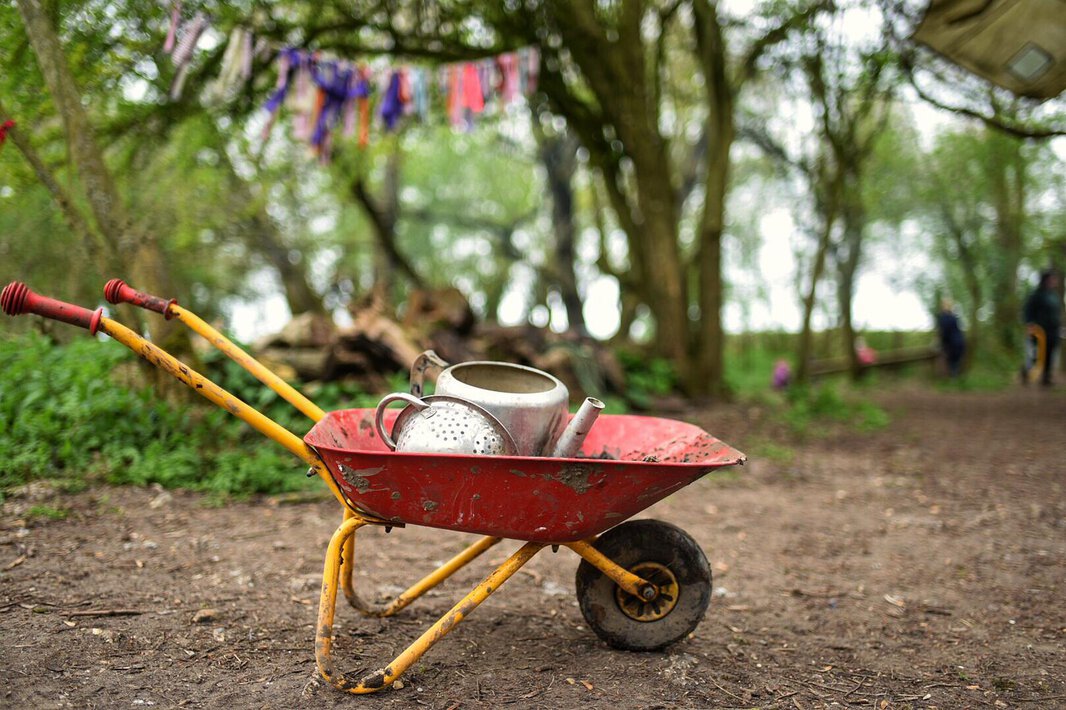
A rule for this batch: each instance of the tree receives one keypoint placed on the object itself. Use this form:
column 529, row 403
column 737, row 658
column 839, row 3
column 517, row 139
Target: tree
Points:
column 998, row 221
column 849, row 85
column 558, row 155
column 654, row 109
column 122, row 239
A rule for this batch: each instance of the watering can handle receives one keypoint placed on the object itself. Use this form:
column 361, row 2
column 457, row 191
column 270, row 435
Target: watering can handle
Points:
column 429, row 360
column 379, row 413
column 117, row 291
column 17, row 299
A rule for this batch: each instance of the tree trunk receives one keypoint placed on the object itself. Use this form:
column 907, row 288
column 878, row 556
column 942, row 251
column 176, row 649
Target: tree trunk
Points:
column 383, row 214
column 667, row 294
column 803, row 351
column 975, row 293
column 1008, row 176
column 494, row 290
column 267, row 240
column 854, row 223
column 657, row 274
column 124, row 241
column 706, row 377
column 558, row 154
column 630, row 305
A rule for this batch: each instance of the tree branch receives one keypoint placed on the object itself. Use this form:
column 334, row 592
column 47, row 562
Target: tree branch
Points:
column 73, row 216
column 777, row 35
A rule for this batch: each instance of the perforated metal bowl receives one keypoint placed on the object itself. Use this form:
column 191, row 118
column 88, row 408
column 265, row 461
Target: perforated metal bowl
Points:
column 442, row 424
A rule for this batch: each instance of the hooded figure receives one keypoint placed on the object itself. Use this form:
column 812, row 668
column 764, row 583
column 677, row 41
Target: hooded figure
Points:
column 1043, row 309
column 952, row 341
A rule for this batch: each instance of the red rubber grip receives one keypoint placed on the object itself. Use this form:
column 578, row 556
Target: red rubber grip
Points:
column 117, row 291
column 17, row 299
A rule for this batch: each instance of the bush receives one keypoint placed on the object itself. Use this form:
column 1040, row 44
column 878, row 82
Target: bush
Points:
column 62, row 416
column 646, row 378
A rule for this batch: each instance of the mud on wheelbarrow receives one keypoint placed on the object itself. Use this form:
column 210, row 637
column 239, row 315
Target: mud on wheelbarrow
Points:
column 641, row 585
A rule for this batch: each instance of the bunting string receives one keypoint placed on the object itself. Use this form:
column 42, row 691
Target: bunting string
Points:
column 325, row 95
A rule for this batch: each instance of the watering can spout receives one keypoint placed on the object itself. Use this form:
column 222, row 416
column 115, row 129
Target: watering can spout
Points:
column 578, row 428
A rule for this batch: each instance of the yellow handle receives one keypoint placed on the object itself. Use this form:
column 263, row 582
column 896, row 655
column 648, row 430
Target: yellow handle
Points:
column 212, row 392
column 118, row 291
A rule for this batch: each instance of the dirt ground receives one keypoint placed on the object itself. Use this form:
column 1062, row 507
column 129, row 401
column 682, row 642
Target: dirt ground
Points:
column 919, row 566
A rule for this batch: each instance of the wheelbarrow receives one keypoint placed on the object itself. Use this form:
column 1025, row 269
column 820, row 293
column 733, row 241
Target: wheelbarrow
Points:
column 641, row 585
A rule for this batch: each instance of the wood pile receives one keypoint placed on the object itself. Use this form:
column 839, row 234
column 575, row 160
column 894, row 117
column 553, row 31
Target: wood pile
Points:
column 379, row 343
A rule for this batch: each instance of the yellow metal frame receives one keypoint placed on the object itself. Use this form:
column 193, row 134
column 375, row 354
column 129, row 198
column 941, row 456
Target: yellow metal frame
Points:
column 1036, row 332
column 249, row 363
column 625, row 579
column 339, row 564
column 220, row 397
column 433, row 579
column 387, row 674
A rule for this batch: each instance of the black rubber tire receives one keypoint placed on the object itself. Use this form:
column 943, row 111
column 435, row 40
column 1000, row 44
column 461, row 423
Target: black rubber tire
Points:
column 628, row 545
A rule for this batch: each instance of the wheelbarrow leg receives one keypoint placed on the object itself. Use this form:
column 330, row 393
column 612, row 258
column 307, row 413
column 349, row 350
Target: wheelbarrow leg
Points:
column 385, row 676
column 348, row 567
column 416, row 590
column 634, row 584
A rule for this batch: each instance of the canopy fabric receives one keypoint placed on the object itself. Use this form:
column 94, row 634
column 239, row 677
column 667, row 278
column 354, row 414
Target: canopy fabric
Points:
column 1019, row 45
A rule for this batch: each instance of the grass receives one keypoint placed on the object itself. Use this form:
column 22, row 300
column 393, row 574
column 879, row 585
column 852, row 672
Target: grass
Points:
column 46, row 512
column 766, row 449
column 984, row 376
column 809, row 407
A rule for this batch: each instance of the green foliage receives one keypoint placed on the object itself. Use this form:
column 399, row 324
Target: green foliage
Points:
column 62, row 416
column 763, row 448
column 749, row 362
column 46, row 512
column 995, row 371
column 811, row 407
column 646, row 378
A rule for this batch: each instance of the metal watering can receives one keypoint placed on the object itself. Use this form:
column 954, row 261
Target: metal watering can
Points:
column 525, row 405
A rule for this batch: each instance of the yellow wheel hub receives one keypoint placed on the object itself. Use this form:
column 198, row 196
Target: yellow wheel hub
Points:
column 650, row 609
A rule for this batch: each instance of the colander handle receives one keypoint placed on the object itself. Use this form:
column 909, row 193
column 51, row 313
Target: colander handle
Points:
column 379, row 413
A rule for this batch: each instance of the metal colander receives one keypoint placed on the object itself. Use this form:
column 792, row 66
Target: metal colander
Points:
column 442, row 424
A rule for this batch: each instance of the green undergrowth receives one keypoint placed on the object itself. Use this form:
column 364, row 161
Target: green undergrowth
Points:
column 994, row 371
column 646, row 379
column 62, row 416
column 46, row 512
column 811, row 410
column 763, row 448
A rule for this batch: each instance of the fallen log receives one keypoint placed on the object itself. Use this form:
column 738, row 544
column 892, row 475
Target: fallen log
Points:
column 889, row 360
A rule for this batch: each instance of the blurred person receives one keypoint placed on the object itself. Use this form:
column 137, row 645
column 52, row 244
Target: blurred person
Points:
column 1042, row 308
column 782, row 376
column 952, row 340
column 867, row 355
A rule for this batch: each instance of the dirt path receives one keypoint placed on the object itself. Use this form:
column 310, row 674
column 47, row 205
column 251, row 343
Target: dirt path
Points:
column 921, row 566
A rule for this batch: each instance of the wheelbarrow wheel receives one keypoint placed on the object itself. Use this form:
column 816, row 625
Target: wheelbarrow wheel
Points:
column 663, row 554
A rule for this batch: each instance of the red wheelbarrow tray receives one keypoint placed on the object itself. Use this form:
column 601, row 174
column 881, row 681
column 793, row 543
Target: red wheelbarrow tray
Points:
column 626, row 464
